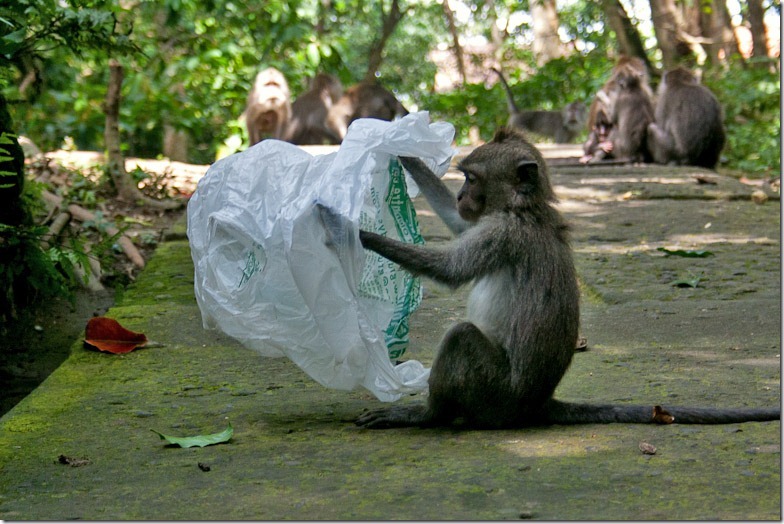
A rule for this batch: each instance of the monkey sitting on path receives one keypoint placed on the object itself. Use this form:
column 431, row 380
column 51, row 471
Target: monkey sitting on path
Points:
column 630, row 111
column 268, row 108
column 688, row 126
column 368, row 99
column 500, row 367
column 308, row 123
column 562, row 126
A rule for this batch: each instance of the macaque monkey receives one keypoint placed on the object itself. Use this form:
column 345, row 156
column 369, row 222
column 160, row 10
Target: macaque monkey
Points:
column 308, row 124
column 563, row 126
column 688, row 126
column 605, row 98
column 630, row 110
column 500, row 367
column 364, row 100
column 268, row 109
column 598, row 146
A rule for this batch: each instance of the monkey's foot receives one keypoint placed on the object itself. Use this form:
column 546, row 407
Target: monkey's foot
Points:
column 394, row 417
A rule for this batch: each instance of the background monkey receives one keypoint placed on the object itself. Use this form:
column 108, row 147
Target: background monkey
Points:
column 363, row 100
column 631, row 110
column 602, row 105
column 501, row 366
column 308, row 124
column 563, row 126
column 598, row 146
column 688, row 127
column 268, row 108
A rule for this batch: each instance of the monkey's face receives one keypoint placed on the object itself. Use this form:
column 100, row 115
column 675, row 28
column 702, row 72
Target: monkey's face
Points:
column 603, row 130
column 471, row 199
column 575, row 114
column 506, row 174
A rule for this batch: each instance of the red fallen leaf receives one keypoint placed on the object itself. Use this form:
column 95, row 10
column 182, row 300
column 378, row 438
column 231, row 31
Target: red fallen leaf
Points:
column 106, row 334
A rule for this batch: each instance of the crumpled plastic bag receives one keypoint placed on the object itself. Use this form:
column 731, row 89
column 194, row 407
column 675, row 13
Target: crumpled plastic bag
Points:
column 266, row 276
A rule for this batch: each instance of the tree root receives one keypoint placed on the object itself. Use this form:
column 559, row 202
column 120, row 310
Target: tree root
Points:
column 83, row 215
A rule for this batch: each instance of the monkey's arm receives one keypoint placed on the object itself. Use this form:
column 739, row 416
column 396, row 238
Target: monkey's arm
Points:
column 437, row 194
column 480, row 251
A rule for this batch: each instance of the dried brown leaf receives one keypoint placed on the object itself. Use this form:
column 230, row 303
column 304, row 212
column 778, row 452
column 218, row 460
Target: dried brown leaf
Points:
column 662, row 416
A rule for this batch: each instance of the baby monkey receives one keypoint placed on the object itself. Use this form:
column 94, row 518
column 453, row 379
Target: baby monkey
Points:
column 598, row 146
column 500, row 367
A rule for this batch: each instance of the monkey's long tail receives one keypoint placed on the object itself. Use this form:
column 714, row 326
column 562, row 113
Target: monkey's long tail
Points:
column 566, row 413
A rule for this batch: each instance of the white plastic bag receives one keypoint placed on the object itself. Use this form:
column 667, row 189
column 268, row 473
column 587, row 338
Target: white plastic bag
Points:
column 265, row 276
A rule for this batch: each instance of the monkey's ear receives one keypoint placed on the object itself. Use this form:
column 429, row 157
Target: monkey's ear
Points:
column 527, row 172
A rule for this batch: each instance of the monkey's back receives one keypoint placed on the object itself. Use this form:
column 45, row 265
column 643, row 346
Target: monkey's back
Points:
column 694, row 121
column 542, row 122
column 632, row 124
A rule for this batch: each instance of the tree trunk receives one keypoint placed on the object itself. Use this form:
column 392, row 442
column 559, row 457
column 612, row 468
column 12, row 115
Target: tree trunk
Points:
column 389, row 21
column 456, row 47
column 669, row 28
column 759, row 34
column 716, row 26
column 114, row 158
column 629, row 41
column 175, row 143
column 547, row 44
column 123, row 183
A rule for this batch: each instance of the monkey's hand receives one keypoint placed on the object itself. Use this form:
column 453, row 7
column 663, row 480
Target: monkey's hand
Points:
column 606, row 146
column 336, row 226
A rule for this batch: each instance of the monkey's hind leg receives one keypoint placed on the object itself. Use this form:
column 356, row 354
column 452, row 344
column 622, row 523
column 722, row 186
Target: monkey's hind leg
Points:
column 469, row 379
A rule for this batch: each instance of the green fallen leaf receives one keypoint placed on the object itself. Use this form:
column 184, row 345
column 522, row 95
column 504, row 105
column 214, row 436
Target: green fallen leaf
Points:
column 687, row 282
column 685, row 253
column 199, row 440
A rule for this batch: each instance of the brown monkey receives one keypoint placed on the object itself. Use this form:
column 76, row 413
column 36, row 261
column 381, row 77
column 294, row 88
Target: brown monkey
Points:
column 563, row 126
column 631, row 110
column 308, row 124
column 500, row 367
column 598, row 146
column 625, row 63
column 688, row 126
column 268, row 109
column 364, row 100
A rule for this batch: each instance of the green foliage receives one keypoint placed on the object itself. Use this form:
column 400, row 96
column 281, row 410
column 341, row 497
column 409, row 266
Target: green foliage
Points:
column 34, row 266
column 27, row 272
column 472, row 106
column 584, row 24
column 199, row 57
column 751, row 100
column 31, row 25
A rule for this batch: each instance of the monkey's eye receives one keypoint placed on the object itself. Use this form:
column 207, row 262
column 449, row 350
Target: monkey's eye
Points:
column 471, row 179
